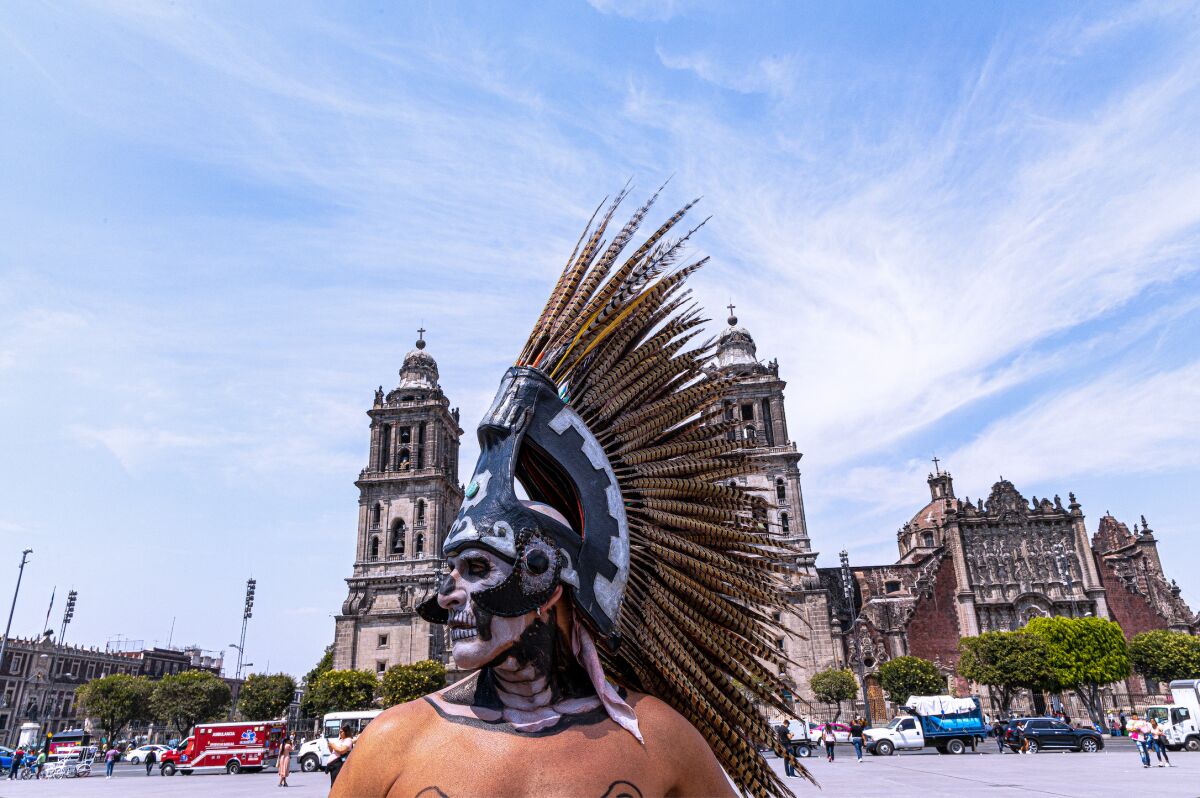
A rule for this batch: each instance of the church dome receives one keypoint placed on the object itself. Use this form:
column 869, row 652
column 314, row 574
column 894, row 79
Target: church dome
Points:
column 736, row 346
column 420, row 370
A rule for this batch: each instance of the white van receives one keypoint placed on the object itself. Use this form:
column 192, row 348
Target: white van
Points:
column 315, row 754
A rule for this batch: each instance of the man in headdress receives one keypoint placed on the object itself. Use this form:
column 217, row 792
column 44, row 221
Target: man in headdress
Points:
column 620, row 620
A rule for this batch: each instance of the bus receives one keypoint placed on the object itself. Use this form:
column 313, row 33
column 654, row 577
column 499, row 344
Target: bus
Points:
column 315, row 754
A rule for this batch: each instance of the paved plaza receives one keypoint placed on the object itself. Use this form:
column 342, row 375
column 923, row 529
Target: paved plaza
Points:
column 924, row 774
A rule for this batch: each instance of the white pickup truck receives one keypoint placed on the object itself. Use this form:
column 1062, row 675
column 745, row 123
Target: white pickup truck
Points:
column 1181, row 719
column 949, row 724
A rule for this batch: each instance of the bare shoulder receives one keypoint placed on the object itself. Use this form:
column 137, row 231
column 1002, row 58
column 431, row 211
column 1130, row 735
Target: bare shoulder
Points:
column 675, row 742
column 378, row 754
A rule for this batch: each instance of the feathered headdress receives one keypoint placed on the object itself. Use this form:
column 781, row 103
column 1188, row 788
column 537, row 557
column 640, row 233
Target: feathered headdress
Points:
column 613, row 425
column 695, row 624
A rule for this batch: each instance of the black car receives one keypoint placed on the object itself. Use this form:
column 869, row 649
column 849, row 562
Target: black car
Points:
column 1050, row 734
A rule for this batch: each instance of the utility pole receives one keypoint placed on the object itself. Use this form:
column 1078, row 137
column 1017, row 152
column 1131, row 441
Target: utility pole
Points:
column 68, row 615
column 848, row 592
column 20, row 573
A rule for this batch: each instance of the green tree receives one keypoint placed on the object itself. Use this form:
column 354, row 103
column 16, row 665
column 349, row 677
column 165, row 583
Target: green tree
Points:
column 1084, row 654
column 1006, row 662
column 343, row 691
column 833, row 686
column 265, row 697
column 903, row 677
column 1165, row 656
column 115, row 701
column 404, row 683
column 190, row 697
column 307, row 708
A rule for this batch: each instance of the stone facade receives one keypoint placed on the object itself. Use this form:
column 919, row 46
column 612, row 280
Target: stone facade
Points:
column 408, row 497
column 970, row 567
column 38, row 679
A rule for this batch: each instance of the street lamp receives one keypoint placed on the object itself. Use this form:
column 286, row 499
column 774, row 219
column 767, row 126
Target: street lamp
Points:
column 4, row 641
column 848, row 592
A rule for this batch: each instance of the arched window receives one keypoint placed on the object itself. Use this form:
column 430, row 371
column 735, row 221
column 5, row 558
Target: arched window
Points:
column 780, row 490
column 398, row 536
column 376, row 511
column 751, row 434
column 420, row 546
column 784, row 523
column 374, row 552
column 420, row 520
column 927, row 539
column 402, row 460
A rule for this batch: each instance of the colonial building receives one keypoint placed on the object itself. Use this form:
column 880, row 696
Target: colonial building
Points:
column 408, row 496
column 38, row 679
column 969, row 567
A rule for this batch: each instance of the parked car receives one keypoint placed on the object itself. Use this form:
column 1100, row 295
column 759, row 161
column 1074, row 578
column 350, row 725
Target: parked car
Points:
column 136, row 755
column 1050, row 734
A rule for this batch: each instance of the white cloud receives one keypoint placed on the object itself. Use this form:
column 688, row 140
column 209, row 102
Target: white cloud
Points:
column 771, row 75
column 642, row 10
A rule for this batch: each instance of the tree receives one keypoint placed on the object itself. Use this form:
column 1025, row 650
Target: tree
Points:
column 1165, row 656
column 343, row 691
column 834, row 685
column 908, row 676
column 190, row 697
column 404, row 683
column 307, row 708
column 1084, row 654
column 116, row 701
column 1006, row 662
column 265, row 697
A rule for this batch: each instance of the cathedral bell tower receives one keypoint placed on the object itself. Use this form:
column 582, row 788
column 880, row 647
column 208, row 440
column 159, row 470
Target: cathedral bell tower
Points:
column 408, row 496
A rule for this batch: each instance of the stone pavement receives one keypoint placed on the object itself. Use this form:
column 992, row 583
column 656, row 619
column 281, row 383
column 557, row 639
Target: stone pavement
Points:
column 928, row 775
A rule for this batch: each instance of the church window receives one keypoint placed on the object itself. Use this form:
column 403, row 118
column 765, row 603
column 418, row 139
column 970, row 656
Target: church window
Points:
column 380, row 666
column 405, row 436
column 385, row 447
column 374, row 555
column 421, row 446
column 420, row 547
column 780, row 490
column 927, row 539
column 376, row 511
column 768, row 430
column 784, row 523
column 420, row 512
column 748, row 411
column 891, row 586
column 779, row 643
column 382, row 641
column 751, row 434
column 402, row 460
column 398, row 536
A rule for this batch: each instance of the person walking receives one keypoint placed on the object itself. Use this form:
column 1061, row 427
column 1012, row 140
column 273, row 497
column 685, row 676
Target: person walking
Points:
column 828, row 738
column 1158, row 738
column 110, row 760
column 17, row 757
column 151, row 758
column 340, row 748
column 1139, row 733
column 857, row 727
column 285, row 761
column 998, row 730
column 40, row 765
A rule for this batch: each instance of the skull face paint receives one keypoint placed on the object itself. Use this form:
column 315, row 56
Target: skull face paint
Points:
column 477, row 635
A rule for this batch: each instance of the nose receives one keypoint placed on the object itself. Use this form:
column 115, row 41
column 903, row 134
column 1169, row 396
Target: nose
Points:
column 451, row 595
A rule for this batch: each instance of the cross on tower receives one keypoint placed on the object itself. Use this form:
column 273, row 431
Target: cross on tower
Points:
column 935, row 465
column 731, row 306
column 421, row 337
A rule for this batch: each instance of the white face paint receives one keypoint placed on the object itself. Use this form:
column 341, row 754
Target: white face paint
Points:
column 473, row 571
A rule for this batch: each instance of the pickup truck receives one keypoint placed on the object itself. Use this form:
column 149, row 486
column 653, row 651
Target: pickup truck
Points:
column 1180, row 720
column 943, row 722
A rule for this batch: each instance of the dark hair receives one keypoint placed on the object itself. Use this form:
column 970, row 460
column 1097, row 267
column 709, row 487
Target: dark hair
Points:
column 347, row 730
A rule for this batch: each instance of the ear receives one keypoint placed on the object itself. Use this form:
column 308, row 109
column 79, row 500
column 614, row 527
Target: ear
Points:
column 550, row 602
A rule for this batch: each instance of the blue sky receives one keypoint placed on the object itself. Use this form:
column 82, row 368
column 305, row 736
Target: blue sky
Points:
column 963, row 229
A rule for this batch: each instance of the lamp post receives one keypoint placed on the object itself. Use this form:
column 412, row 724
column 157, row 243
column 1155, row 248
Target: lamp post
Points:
column 848, row 592
column 21, row 572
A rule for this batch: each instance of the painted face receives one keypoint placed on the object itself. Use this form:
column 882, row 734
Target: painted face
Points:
column 478, row 636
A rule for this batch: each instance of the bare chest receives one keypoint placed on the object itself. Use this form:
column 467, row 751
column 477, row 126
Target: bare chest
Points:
column 597, row 761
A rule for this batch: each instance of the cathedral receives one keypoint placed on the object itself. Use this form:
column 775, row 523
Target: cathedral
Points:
column 964, row 567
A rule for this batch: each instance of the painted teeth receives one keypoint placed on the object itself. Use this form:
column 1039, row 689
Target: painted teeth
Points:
column 461, row 634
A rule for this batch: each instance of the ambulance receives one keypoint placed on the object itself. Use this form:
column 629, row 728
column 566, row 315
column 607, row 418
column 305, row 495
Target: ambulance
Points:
column 230, row 747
